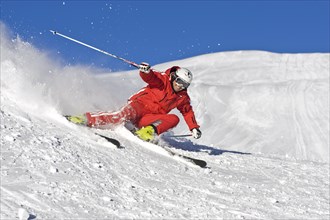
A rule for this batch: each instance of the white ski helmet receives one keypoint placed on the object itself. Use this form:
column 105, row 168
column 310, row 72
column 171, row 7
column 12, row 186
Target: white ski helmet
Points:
column 183, row 76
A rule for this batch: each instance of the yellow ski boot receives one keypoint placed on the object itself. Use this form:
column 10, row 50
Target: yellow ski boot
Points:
column 147, row 133
column 78, row 119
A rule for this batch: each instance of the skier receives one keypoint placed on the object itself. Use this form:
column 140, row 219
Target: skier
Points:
column 148, row 109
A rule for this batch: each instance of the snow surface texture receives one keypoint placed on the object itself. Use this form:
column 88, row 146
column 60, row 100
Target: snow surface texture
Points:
column 265, row 123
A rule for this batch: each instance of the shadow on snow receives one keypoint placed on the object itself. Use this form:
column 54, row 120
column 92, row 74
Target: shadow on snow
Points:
column 188, row 145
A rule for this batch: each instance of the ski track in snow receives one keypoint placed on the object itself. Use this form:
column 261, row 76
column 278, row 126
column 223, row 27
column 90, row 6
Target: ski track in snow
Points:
column 52, row 169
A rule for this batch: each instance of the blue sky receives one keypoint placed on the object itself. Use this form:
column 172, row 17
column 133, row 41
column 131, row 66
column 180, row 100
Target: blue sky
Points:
column 161, row 31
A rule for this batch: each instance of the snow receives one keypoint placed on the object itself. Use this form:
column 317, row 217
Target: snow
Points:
column 265, row 124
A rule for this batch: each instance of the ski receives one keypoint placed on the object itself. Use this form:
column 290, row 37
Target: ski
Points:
column 111, row 140
column 194, row 161
column 198, row 162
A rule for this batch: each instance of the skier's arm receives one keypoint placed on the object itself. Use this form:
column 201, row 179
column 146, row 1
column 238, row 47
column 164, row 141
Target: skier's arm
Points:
column 150, row 76
column 188, row 114
column 189, row 117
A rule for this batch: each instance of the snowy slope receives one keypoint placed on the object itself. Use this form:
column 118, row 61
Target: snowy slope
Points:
column 265, row 123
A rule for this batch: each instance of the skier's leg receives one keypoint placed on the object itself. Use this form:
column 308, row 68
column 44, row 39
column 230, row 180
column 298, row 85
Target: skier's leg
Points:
column 128, row 113
column 161, row 123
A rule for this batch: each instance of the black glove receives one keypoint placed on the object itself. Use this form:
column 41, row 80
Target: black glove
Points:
column 196, row 133
column 144, row 67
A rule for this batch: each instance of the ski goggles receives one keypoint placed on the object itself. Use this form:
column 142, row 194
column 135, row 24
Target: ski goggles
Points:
column 180, row 82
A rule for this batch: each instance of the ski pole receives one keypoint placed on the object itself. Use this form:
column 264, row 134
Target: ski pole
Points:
column 181, row 135
column 94, row 48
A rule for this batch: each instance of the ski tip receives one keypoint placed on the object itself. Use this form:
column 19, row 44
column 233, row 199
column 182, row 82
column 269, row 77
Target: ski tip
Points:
column 111, row 140
column 201, row 164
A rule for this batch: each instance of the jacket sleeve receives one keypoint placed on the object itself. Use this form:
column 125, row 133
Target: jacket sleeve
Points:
column 152, row 78
column 188, row 114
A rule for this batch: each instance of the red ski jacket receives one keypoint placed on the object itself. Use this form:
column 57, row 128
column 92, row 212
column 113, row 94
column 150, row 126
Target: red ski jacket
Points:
column 158, row 96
